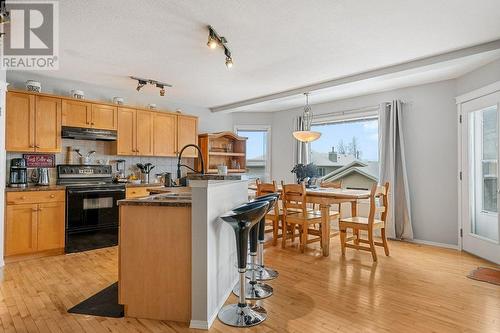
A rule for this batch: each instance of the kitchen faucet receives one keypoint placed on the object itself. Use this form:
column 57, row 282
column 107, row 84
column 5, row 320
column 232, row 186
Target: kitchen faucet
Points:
column 200, row 156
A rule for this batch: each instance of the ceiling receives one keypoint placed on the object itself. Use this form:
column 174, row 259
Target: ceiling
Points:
column 276, row 45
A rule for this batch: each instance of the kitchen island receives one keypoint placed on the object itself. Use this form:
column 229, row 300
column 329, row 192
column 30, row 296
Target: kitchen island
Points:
column 176, row 257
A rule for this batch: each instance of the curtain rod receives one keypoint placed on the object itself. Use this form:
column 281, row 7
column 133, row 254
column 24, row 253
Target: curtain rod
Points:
column 356, row 110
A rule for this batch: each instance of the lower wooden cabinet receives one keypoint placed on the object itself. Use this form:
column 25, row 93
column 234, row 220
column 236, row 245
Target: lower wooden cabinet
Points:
column 35, row 228
column 137, row 192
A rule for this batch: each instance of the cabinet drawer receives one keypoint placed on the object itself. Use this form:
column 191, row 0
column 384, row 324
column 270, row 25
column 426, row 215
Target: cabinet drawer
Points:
column 24, row 197
column 136, row 192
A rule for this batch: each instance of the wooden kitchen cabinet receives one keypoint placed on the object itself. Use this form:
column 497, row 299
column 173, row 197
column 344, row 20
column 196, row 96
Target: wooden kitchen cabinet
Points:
column 104, row 116
column 125, row 143
column 135, row 132
column 47, row 124
column 34, row 224
column 33, row 123
column 76, row 113
column 20, row 122
column 89, row 115
column 144, row 133
column 187, row 133
column 164, row 134
column 20, row 229
column 50, row 226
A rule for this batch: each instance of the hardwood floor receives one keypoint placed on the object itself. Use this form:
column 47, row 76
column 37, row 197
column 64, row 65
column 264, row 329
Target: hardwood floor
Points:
column 417, row 289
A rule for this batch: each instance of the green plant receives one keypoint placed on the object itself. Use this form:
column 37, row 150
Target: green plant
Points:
column 303, row 171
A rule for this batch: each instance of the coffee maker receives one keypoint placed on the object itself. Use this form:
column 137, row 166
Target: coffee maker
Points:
column 18, row 176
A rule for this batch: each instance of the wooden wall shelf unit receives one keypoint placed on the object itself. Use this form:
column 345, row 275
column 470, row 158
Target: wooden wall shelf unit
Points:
column 223, row 148
column 34, row 122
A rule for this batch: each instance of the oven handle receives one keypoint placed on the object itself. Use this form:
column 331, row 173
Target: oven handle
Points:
column 70, row 191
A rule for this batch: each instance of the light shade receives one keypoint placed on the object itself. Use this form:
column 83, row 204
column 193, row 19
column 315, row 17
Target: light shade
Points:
column 306, row 136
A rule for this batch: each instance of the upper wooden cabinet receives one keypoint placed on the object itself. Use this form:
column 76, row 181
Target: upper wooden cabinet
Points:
column 104, row 117
column 164, row 134
column 89, row 115
column 47, row 124
column 33, row 123
column 76, row 113
column 144, row 133
column 20, row 122
column 187, row 133
column 125, row 144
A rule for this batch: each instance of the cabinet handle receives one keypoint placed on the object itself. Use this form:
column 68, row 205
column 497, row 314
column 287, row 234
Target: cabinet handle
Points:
column 52, row 196
column 92, row 123
column 34, row 209
column 32, row 146
column 23, row 198
column 37, row 146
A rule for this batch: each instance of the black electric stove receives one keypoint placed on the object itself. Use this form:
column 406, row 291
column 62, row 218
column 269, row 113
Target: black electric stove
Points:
column 92, row 217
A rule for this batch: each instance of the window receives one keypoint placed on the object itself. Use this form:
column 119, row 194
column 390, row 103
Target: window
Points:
column 489, row 159
column 347, row 151
column 258, row 153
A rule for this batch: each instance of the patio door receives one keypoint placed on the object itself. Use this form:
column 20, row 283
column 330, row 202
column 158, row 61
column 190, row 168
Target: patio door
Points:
column 480, row 187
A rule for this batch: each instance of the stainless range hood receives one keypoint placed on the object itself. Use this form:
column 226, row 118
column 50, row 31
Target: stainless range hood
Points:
column 79, row 133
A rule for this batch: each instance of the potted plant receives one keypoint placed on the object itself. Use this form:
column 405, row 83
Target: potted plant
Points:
column 305, row 172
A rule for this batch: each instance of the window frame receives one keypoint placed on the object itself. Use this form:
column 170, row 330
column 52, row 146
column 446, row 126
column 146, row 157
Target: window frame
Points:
column 260, row 128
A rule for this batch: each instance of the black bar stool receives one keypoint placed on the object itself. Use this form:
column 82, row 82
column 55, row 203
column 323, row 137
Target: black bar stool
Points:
column 256, row 290
column 263, row 273
column 242, row 219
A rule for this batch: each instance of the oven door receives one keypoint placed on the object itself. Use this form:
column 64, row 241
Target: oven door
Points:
column 90, row 209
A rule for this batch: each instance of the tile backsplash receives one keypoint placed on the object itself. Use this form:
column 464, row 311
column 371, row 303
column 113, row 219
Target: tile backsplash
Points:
column 103, row 156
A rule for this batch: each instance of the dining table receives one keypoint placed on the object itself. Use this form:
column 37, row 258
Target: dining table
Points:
column 325, row 198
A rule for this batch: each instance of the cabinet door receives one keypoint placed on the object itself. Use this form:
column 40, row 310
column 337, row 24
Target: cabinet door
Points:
column 125, row 144
column 50, row 229
column 104, row 116
column 164, row 134
column 20, row 122
column 20, row 229
column 144, row 133
column 187, row 132
column 48, row 124
column 76, row 113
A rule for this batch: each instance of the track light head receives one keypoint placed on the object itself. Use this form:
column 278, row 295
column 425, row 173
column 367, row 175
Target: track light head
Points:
column 140, row 84
column 162, row 89
column 229, row 62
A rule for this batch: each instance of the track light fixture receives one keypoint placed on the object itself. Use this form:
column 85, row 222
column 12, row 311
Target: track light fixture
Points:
column 4, row 14
column 142, row 82
column 214, row 41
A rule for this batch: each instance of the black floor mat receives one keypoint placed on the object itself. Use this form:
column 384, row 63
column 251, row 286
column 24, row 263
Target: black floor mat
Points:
column 103, row 304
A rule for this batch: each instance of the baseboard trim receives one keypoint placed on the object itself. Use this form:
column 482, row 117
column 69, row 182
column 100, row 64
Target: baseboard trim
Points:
column 424, row 242
column 205, row 325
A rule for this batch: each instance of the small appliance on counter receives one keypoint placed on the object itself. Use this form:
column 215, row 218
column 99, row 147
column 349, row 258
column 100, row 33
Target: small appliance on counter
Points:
column 40, row 176
column 18, row 176
column 120, row 176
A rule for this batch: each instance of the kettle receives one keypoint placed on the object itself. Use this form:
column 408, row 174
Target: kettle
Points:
column 40, row 176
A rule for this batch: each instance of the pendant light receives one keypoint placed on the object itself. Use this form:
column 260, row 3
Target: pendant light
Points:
column 306, row 135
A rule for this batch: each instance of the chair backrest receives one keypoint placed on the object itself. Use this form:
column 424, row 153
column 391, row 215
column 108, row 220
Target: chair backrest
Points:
column 336, row 184
column 265, row 188
column 294, row 197
column 379, row 193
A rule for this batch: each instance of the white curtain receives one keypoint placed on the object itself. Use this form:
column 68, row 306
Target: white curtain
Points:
column 393, row 170
column 301, row 148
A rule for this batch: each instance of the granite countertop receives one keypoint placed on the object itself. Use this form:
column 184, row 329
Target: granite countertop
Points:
column 143, row 185
column 164, row 199
column 199, row 176
column 33, row 187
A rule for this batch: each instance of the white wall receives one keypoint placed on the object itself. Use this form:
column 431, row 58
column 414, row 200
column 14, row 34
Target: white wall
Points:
column 481, row 77
column 208, row 122
column 431, row 147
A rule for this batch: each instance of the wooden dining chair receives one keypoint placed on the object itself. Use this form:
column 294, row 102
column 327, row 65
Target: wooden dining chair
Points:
column 296, row 212
column 369, row 224
column 275, row 215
